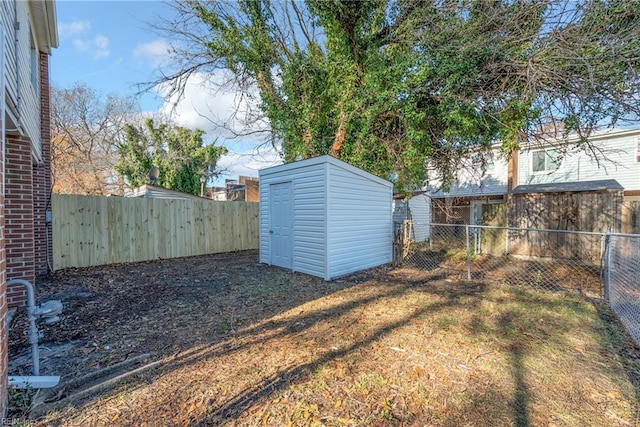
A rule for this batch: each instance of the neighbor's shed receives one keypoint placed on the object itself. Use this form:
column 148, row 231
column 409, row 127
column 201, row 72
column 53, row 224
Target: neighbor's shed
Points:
column 324, row 217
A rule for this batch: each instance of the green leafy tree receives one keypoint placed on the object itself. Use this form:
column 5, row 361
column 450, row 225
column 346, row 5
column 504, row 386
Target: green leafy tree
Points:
column 180, row 155
column 406, row 88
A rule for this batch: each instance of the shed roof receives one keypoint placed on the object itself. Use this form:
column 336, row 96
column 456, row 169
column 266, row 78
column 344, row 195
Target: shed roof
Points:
column 324, row 159
column 570, row 187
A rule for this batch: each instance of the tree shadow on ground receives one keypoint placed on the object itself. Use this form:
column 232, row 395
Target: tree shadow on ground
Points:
column 514, row 335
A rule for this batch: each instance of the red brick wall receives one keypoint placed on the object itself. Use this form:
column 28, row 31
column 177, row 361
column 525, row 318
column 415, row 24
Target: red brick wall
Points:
column 42, row 177
column 3, row 304
column 19, row 216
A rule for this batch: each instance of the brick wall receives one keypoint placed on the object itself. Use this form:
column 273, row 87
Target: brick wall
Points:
column 42, row 177
column 19, row 217
column 3, row 304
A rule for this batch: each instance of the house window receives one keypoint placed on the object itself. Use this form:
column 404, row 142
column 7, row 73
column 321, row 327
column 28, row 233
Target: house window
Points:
column 638, row 150
column 545, row 160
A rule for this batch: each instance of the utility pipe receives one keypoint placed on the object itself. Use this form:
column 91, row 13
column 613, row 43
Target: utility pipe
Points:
column 31, row 316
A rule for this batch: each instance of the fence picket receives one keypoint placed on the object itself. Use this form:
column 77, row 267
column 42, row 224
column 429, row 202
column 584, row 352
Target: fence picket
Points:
column 90, row 231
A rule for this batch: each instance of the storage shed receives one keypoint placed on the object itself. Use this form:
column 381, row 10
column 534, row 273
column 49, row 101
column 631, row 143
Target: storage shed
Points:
column 324, row 217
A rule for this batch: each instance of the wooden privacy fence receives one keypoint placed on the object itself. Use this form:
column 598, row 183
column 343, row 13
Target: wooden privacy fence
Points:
column 93, row 230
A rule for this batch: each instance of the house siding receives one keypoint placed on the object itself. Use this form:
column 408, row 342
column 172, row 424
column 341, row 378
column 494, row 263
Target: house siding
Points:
column 472, row 181
column 359, row 234
column 7, row 19
column 616, row 161
column 29, row 93
column 26, row 179
column 23, row 97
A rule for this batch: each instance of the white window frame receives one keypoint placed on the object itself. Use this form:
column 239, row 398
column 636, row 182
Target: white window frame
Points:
column 637, row 153
column 546, row 170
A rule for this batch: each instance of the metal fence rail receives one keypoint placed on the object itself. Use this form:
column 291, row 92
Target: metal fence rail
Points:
column 597, row 264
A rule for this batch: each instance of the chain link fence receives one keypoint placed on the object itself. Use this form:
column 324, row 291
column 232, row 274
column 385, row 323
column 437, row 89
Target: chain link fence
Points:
column 595, row 264
column 622, row 279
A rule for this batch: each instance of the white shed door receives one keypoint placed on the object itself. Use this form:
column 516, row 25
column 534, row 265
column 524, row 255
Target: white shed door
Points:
column 280, row 214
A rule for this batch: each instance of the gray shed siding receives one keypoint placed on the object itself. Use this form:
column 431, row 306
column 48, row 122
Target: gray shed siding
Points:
column 341, row 216
column 359, row 230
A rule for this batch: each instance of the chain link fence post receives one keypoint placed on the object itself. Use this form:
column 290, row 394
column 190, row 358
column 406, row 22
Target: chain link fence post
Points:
column 466, row 228
column 607, row 266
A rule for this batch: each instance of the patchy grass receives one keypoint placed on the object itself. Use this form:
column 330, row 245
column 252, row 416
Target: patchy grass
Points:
column 375, row 349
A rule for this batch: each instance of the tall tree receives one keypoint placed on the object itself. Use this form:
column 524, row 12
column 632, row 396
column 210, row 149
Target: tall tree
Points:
column 86, row 129
column 394, row 86
column 184, row 162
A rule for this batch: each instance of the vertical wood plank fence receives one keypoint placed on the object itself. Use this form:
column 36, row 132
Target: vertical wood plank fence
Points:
column 92, row 230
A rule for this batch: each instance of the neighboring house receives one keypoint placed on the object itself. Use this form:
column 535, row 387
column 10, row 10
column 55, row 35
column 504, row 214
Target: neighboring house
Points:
column 243, row 189
column 553, row 185
column 151, row 191
column 484, row 180
column 28, row 33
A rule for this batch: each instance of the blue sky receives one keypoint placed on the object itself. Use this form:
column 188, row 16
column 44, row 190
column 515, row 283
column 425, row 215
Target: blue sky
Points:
column 109, row 46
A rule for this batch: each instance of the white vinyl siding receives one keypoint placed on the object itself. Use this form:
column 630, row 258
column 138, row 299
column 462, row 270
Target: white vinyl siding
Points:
column 22, row 79
column 359, row 231
column 308, row 216
column 341, row 216
column 7, row 19
column 616, row 160
column 420, row 207
column 474, row 181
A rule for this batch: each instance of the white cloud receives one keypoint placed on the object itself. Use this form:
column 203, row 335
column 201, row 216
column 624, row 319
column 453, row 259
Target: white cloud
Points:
column 81, row 45
column 204, row 106
column 74, row 28
column 98, row 47
column 155, row 52
column 101, row 44
column 248, row 163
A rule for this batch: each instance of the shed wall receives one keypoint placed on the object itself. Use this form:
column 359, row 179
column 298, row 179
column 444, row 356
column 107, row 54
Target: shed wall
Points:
column 420, row 206
column 308, row 216
column 359, row 230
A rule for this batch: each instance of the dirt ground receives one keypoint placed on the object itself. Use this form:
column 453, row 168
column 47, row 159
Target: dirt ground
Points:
column 163, row 307
column 223, row 340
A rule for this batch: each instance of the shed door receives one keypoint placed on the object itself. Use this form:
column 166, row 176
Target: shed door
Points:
column 281, row 225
